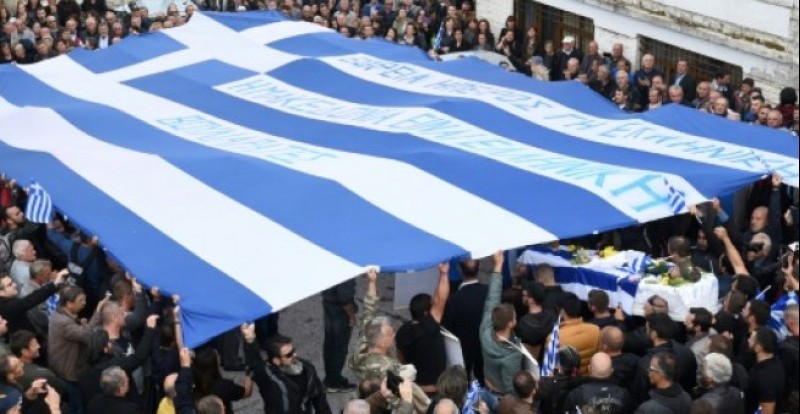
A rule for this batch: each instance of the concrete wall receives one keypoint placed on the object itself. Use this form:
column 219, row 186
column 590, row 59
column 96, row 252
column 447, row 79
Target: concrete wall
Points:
column 761, row 36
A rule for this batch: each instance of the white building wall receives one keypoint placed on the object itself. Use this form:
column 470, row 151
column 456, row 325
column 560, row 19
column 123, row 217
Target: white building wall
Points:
column 496, row 12
column 761, row 36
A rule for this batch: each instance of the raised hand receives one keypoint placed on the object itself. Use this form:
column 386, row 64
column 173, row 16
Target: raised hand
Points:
column 372, row 274
column 721, row 233
column 186, row 358
column 61, row 277
column 498, row 261
column 444, row 268
column 152, row 321
column 716, row 205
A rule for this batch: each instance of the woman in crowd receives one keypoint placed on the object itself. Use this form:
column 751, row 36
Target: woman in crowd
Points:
column 391, row 35
column 6, row 55
column 532, row 46
column 485, row 28
column 401, row 21
column 471, row 32
column 209, row 381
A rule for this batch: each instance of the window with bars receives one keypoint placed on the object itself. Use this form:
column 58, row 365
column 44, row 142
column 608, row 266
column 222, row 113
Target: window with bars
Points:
column 554, row 24
column 702, row 68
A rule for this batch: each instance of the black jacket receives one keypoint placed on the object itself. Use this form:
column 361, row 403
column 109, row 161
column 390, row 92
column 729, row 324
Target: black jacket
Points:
column 689, row 86
column 686, row 370
column 280, row 393
column 598, row 393
column 104, row 404
column 790, row 355
column 89, row 382
column 672, row 400
column 462, row 317
column 534, row 328
column 725, row 399
column 624, row 369
column 553, row 392
column 15, row 310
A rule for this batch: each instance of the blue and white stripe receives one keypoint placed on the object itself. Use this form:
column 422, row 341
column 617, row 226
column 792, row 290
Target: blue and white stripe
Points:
column 677, row 199
column 777, row 321
column 638, row 265
column 338, row 154
column 550, row 362
column 39, row 208
column 473, row 398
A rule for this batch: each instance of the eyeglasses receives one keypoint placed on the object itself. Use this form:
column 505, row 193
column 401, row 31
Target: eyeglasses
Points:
column 289, row 354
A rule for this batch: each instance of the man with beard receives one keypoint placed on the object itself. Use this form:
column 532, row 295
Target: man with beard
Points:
column 287, row 383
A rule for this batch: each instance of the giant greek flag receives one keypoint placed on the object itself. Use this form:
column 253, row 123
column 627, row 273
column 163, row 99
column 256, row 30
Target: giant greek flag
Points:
column 246, row 162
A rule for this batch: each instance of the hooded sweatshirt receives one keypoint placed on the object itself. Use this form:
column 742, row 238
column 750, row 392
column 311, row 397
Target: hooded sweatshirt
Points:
column 501, row 361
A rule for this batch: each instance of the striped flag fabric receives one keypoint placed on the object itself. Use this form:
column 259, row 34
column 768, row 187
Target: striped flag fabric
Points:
column 677, row 199
column 550, row 362
column 339, row 154
column 39, row 208
column 638, row 265
column 437, row 41
column 777, row 321
column 473, row 398
column 762, row 295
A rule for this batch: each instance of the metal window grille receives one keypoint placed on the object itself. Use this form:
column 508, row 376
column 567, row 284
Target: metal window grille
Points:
column 702, row 68
column 554, row 24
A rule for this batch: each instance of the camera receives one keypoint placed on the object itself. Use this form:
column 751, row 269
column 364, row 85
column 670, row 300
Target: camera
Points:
column 755, row 247
column 393, row 382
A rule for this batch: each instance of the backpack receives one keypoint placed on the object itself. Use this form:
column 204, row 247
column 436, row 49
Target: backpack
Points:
column 6, row 255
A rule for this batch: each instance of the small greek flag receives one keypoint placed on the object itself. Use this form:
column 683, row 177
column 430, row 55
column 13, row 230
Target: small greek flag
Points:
column 473, row 398
column 551, row 352
column 776, row 321
column 52, row 304
column 40, row 206
column 763, row 294
column 638, row 265
column 677, row 199
column 437, row 42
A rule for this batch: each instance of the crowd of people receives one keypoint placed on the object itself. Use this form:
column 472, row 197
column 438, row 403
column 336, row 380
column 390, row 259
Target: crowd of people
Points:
column 40, row 30
column 91, row 339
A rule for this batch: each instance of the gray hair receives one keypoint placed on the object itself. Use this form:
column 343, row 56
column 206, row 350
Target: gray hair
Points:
column 19, row 247
column 39, row 266
column 210, row 404
column 374, row 330
column 718, row 368
column 112, row 380
column 446, row 407
column 676, row 88
column 357, row 407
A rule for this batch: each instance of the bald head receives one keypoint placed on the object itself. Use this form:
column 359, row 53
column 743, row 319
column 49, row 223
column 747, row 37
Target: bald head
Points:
column 612, row 339
column 446, row 407
column 600, row 366
column 356, row 407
